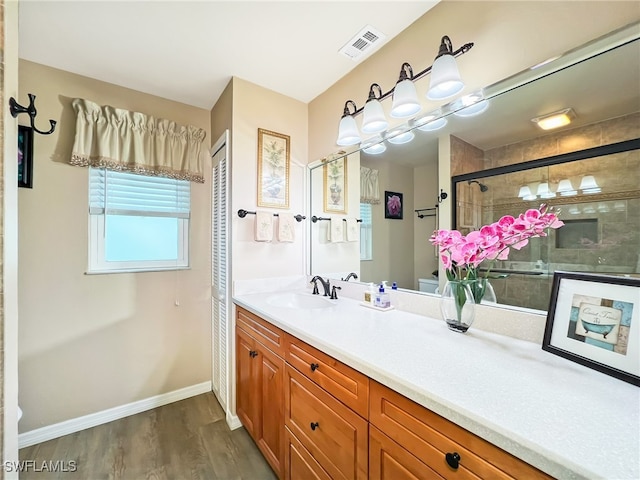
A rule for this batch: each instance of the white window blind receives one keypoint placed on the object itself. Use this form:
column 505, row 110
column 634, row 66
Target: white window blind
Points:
column 137, row 222
column 121, row 193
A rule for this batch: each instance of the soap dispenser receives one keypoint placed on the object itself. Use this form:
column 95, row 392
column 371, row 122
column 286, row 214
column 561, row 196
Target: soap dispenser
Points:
column 382, row 297
column 369, row 295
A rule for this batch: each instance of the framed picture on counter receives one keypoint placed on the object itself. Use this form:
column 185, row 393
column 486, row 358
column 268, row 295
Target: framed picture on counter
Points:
column 594, row 320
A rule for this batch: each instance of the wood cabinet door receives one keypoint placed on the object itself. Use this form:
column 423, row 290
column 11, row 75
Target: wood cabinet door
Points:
column 271, row 436
column 299, row 464
column 390, row 461
column 247, row 385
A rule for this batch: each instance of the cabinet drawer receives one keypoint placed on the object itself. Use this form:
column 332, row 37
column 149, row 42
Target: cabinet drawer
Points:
column 390, row 461
column 346, row 384
column 430, row 437
column 265, row 333
column 333, row 434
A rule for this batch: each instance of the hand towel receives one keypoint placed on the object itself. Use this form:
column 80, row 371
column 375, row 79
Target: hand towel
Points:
column 353, row 232
column 335, row 232
column 286, row 227
column 264, row 227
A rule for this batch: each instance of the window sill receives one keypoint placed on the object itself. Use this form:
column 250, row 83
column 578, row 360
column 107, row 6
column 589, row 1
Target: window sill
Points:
column 136, row 270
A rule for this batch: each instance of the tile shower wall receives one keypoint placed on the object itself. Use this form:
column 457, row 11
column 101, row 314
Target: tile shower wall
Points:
column 602, row 133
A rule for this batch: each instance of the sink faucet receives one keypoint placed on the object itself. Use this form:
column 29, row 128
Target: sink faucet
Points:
column 351, row 275
column 325, row 284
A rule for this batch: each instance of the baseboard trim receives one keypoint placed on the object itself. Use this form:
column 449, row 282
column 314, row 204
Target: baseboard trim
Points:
column 233, row 421
column 73, row 425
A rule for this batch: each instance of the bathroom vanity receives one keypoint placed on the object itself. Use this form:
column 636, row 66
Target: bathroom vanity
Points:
column 335, row 390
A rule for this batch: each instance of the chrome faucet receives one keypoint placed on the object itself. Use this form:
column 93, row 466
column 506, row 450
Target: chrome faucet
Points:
column 351, row 275
column 325, row 284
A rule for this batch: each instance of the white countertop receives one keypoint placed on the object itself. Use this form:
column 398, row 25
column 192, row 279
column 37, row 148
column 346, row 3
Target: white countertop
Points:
column 565, row 419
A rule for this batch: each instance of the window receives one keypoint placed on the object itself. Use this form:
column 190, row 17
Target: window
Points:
column 137, row 222
column 366, row 231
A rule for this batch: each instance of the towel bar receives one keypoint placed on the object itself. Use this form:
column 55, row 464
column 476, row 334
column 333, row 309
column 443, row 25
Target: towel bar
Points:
column 422, row 215
column 315, row 219
column 243, row 213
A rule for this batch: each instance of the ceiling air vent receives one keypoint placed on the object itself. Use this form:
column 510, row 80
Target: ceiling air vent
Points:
column 365, row 42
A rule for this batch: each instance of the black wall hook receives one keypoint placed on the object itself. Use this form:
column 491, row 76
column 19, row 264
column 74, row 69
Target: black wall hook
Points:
column 15, row 108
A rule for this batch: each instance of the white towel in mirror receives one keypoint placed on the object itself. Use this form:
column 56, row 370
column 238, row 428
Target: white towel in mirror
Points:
column 264, row 227
column 286, row 227
column 353, row 232
column 335, row 232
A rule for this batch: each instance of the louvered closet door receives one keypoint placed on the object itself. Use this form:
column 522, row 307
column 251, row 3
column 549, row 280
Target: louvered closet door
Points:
column 219, row 276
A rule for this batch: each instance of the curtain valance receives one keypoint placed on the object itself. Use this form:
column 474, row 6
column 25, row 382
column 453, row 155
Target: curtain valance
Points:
column 121, row 140
column 369, row 188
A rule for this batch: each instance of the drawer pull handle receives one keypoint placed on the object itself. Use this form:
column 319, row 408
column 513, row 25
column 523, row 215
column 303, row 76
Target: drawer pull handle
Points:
column 314, row 367
column 314, row 425
column 453, row 459
column 253, row 354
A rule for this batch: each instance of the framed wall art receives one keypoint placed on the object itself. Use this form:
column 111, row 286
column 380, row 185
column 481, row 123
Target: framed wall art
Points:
column 335, row 186
column 393, row 205
column 25, row 156
column 594, row 320
column 273, row 169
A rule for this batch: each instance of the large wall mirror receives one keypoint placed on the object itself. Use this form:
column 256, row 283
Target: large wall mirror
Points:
column 492, row 156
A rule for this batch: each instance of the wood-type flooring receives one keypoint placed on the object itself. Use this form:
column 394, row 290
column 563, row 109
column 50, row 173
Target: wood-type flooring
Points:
column 188, row 439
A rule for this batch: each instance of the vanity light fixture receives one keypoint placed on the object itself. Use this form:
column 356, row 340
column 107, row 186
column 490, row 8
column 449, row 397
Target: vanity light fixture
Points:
column 555, row 119
column 405, row 97
column 470, row 105
column 588, row 185
column 374, row 145
column 544, row 191
column 373, row 119
column 433, row 125
column 565, row 188
column 524, row 191
column 526, row 194
column 400, row 135
column 445, row 82
column 445, row 78
column 348, row 131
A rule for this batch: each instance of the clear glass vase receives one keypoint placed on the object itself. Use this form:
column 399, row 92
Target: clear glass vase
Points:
column 482, row 291
column 457, row 305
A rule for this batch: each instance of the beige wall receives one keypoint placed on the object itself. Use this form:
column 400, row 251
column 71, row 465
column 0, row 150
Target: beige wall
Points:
column 9, row 239
column 91, row 342
column 256, row 107
column 508, row 36
column 222, row 114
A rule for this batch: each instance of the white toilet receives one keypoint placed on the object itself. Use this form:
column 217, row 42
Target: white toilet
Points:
column 429, row 285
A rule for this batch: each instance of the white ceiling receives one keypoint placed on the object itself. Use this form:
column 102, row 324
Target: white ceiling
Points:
column 188, row 50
